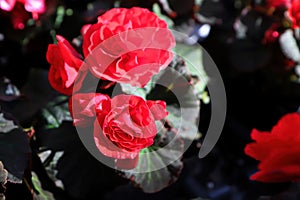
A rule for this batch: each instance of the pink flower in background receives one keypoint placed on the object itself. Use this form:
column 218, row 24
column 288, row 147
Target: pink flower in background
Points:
column 7, row 5
column 19, row 16
column 35, row 7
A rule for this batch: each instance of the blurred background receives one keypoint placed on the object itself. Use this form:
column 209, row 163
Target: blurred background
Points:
column 245, row 38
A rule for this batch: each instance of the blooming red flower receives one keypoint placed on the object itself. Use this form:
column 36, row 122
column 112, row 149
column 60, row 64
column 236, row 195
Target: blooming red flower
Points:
column 128, row 46
column 294, row 13
column 128, row 127
column 123, row 125
column 65, row 63
column 278, row 151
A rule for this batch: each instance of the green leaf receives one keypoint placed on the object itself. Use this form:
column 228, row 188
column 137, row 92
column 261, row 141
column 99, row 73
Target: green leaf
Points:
column 129, row 89
column 50, row 160
column 192, row 55
column 141, row 92
column 3, row 180
column 41, row 194
column 149, row 174
column 3, row 174
column 8, row 91
column 182, row 100
column 157, row 11
column 56, row 112
column 185, row 121
column 6, row 125
column 14, row 148
column 199, row 198
column 13, row 179
column 173, row 85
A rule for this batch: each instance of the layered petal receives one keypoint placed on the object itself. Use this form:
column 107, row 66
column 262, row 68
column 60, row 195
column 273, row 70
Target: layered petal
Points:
column 128, row 46
column 65, row 64
column 278, row 151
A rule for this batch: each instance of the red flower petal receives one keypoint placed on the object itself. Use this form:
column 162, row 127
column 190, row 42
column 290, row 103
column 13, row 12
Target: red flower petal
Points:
column 65, row 63
column 126, row 129
column 158, row 109
column 293, row 13
column 85, row 107
column 107, row 147
column 278, row 151
column 69, row 54
column 127, row 163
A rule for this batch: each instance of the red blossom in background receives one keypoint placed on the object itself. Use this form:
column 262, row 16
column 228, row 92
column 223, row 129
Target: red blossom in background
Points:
column 294, row 13
column 134, row 56
column 278, row 3
column 35, row 7
column 19, row 16
column 272, row 34
column 20, row 10
column 65, row 63
column 278, row 151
